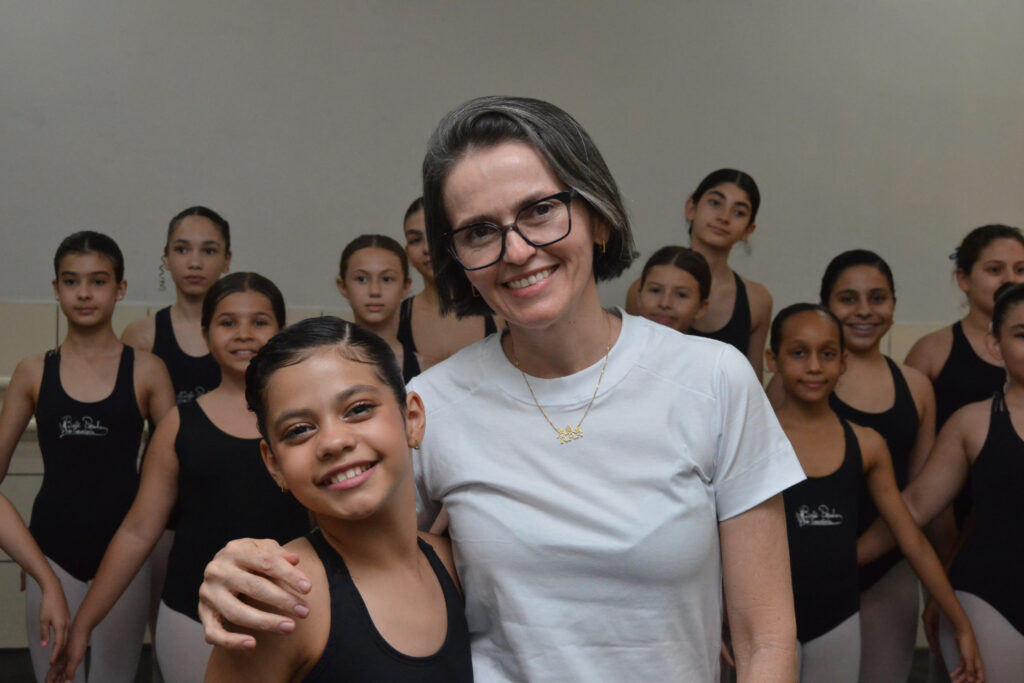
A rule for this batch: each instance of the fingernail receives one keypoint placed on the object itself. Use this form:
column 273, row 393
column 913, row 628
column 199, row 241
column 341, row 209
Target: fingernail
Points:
column 302, row 610
column 249, row 643
column 44, row 643
column 304, row 585
column 286, row 626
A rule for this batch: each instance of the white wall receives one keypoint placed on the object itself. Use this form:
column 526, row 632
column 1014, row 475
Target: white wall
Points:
column 890, row 125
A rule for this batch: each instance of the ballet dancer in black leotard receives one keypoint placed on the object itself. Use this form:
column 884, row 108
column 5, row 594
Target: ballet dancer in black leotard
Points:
column 674, row 288
column 373, row 274
column 205, row 454
column 897, row 402
column 982, row 440
column 338, row 425
column 90, row 397
column 196, row 253
column 721, row 214
column 427, row 336
column 840, row 460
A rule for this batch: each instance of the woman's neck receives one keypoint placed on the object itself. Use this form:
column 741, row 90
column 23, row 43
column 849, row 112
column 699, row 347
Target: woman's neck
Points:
column 568, row 345
column 92, row 340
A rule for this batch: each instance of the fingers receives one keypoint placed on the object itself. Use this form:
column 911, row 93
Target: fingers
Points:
column 216, row 634
column 727, row 656
column 264, row 557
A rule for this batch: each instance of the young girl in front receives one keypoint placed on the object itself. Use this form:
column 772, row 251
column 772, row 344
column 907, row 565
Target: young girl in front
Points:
column 422, row 328
column 721, row 214
column 674, row 287
column 204, row 455
column 337, row 426
column 896, row 401
column 90, row 397
column 980, row 445
column 373, row 275
column 807, row 353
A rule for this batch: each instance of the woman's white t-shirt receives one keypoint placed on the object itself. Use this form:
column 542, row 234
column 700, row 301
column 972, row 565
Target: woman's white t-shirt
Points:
column 598, row 559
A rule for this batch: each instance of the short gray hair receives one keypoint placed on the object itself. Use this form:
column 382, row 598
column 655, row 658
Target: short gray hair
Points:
column 567, row 148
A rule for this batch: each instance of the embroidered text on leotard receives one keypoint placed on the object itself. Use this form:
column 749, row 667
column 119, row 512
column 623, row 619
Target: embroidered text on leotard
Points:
column 84, row 427
column 823, row 515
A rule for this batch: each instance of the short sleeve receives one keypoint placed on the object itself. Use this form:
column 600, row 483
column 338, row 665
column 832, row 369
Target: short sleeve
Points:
column 754, row 459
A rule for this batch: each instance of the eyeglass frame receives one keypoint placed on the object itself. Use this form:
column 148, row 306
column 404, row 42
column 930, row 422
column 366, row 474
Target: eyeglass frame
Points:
column 565, row 196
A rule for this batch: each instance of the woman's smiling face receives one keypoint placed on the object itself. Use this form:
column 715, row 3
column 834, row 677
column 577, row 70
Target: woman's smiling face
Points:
column 530, row 287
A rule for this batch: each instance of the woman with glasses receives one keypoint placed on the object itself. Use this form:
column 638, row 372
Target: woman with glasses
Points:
column 604, row 475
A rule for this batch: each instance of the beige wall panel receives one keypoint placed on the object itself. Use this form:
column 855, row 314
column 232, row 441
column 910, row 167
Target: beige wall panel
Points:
column 27, row 328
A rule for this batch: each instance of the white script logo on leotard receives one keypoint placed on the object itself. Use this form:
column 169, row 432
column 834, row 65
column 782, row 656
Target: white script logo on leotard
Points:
column 184, row 396
column 84, row 427
column 822, row 515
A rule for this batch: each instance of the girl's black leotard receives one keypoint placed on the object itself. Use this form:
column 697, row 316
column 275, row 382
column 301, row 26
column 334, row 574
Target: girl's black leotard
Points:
column 410, row 365
column 737, row 330
column 898, row 426
column 90, row 476
column 965, row 378
column 821, row 522
column 192, row 376
column 225, row 492
column 989, row 563
column 356, row 651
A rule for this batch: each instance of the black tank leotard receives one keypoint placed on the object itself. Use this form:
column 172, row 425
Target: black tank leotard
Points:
column 989, row 563
column 410, row 365
column 898, row 426
column 225, row 493
column 965, row 378
column 356, row 651
column 737, row 330
column 90, row 476
column 821, row 522
column 192, row 376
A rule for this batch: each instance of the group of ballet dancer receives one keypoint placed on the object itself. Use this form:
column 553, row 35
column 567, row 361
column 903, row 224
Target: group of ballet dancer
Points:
column 111, row 546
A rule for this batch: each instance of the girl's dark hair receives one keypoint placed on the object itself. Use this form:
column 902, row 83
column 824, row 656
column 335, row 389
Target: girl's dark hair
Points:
column 377, row 242
column 569, row 152
column 417, row 205
column 295, row 343
column 214, row 217
column 242, row 282
column 730, row 175
column 90, row 241
column 685, row 259
column 849, row 259
column 970, row 249
column 775, row 341
column 1006, row 297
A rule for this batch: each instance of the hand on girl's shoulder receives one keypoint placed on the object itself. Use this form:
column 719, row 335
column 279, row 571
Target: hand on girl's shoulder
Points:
column 140, row 334
column 443, row 547
column 281, row 656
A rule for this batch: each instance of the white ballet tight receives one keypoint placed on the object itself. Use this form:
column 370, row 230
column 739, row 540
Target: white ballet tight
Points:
column 888, row 627
column 181, row 647
column 116, row 642
column 833, row 657
column 1002, row 646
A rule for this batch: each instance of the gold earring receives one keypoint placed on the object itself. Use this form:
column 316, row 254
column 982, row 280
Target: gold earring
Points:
column 475, row 294
column 415, row 445
column 284, row 489
column 603, row 244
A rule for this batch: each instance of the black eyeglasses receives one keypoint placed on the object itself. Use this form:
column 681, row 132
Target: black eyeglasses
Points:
column 539, row 223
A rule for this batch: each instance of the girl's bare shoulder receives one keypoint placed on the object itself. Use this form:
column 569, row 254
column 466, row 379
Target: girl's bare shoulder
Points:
column 140, row 334
column 929, row 353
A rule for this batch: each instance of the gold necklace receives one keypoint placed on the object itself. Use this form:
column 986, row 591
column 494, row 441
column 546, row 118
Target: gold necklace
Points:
column 567, row 433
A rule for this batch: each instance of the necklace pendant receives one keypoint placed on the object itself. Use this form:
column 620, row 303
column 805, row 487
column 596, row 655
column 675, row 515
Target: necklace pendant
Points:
column 568, row 434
